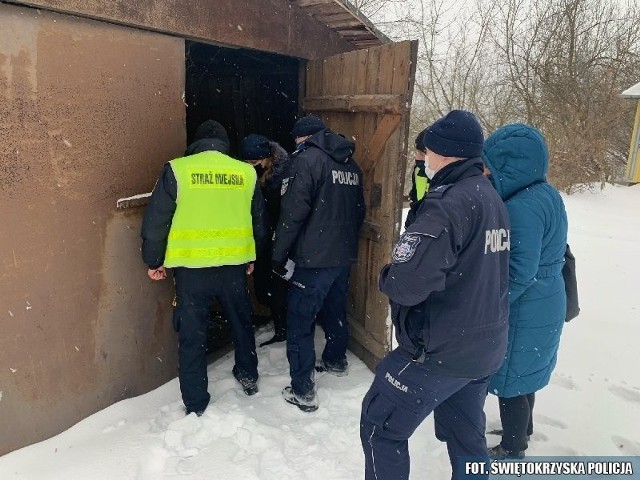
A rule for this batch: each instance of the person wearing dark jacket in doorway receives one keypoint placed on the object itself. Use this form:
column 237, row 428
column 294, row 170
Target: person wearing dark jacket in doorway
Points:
column 271, row 163
column 517, row 158
column 206, row 220
column 447, row 284
column 322, row 212
column 419, row 180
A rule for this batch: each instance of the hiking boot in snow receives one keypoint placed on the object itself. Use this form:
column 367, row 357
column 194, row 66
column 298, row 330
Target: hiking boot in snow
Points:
column 306, row 404
column 339, row 369
column 499, row 453
column 277, row 338
column 249, row 385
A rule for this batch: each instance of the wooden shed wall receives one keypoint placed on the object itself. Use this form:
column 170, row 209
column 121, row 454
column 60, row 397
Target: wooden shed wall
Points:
column 91, row 106
column 269, row 25
column 89, row 112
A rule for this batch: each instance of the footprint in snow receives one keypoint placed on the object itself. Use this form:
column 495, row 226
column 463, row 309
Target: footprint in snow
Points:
column 626, row 446
column 625, row 393
column 563, row 381
column 552, row 422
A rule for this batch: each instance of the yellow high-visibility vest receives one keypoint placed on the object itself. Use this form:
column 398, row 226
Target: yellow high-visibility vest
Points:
column 212, row 223
column 421, row 181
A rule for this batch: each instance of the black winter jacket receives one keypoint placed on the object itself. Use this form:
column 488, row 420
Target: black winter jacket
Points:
column 448, row 282
column 162, row 205
column 322, row 206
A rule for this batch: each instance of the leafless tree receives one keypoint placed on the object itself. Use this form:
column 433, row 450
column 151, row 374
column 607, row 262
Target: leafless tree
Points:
column 567, row 61
column 556, row 64
column 381, row 12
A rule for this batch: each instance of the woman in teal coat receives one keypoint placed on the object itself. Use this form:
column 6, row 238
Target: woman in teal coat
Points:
column 517, row 158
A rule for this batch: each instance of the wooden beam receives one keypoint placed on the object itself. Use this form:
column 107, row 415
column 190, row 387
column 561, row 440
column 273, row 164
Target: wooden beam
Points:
column 386, row 127
column 370, row 231
column 379, row 103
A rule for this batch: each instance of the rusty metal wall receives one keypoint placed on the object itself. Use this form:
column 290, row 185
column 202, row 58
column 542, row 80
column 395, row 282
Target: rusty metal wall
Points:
column 268, row 25
column 89, row 112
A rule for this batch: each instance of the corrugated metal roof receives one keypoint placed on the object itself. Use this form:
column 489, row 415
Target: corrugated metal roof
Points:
column 342, row 17
column 633, row 92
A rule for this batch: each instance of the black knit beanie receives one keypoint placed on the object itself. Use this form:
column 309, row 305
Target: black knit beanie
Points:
column 255, row 147
column 307, row 126
column 420, row 141
column 457, row 134
column 211, row 129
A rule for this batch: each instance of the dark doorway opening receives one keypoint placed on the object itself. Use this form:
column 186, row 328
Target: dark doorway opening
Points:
column 247, row 91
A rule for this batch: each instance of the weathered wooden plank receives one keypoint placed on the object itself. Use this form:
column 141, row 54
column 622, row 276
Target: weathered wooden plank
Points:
column 338, row 17
column 368, row 341
column 401, row 64
column 360, row 72
column 387, row 56
column 342, row 76
column 393, row 104
column 373, row 71
column 349, row 73
column 349, row 32
column 370, row 231
column 360, row 283
column 361, row 43
column 386, row 128
column 315, row 73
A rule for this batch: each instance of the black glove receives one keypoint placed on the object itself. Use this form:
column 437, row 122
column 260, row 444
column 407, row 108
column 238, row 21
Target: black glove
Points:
column 279, row 269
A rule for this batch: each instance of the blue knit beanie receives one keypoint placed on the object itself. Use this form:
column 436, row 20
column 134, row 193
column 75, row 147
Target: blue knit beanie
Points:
column 255, row 147
column 457, row 134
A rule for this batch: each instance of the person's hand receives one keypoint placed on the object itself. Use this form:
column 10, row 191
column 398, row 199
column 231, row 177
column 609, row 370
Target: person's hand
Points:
column 250, row 268
column 157, row 273
column 279, row 269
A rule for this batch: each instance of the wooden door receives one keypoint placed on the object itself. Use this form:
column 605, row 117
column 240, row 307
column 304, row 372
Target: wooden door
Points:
column 366, row 96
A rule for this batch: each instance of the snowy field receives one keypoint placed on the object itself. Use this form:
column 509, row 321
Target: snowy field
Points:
column 591, row 407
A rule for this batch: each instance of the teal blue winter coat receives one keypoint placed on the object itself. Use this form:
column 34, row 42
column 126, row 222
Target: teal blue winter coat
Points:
column 518, row 160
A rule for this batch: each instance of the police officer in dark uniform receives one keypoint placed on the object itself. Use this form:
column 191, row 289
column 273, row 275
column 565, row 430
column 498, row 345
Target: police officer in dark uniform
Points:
column 321, row 214
column 206, row 220
column 448, row 286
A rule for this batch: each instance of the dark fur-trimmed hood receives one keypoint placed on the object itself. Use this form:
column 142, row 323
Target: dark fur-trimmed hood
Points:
column 281, row 163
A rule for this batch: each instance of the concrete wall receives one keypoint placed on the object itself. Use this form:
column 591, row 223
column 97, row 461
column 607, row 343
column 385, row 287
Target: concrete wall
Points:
column 89, row 112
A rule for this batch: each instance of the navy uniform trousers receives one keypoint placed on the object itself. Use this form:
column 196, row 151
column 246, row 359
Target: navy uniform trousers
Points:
column 402, row 395
column 196, row 289
column 315, row 292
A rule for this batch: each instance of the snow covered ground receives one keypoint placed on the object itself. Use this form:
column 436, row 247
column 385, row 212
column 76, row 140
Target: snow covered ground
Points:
column 591, row 407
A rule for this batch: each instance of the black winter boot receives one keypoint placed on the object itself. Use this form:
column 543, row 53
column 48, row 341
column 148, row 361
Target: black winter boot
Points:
column 499, row 453
column 249, row 386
